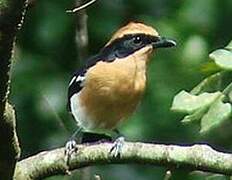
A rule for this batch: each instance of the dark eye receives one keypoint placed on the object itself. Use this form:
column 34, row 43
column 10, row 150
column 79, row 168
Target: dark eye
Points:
column 137, row 40
column 134, row 42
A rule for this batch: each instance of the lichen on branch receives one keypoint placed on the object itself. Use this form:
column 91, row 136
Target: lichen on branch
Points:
column 195, row 157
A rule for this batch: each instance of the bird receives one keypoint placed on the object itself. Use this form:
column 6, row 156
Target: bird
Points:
column 108, row 88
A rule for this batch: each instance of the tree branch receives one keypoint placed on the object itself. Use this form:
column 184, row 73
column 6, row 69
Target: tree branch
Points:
column 195, row 157
column 81, row 7
column 81, row 32
column 11, row 13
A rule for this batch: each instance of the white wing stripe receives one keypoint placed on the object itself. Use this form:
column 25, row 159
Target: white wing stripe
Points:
column 73, row 79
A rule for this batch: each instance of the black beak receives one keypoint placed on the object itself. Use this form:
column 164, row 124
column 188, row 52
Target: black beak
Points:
column 162, row 42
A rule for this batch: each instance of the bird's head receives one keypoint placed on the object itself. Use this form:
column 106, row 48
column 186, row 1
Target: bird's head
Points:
column 138, row 39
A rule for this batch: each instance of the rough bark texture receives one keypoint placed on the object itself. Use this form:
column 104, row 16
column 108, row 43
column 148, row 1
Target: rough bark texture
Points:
column 11, row 12
column 196, row 157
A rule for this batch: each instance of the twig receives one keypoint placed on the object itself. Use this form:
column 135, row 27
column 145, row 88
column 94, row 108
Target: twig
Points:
column 81, row 7
column 195, row 157
column 81, row 33
column 82, row 39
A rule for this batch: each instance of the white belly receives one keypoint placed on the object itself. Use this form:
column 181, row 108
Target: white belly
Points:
column 80, row 114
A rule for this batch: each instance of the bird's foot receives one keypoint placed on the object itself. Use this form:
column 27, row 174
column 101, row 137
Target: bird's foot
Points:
column 70, row 148
column 116, row 149
column 71, row 145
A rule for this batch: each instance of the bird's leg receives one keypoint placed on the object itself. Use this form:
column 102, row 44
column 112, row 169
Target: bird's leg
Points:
column 71, row 145
column 116, row 149
column 92, row 137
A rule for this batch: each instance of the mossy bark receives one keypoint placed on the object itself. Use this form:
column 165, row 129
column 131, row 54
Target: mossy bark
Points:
column 11, row 13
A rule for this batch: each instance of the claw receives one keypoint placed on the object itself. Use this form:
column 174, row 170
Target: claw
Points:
column 70, row 148
column 116, row 149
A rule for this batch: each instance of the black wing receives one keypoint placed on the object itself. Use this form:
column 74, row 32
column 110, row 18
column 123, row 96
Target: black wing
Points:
column 78, row 78
column 75, row 85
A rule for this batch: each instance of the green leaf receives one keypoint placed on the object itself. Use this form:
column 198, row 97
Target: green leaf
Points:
column 229, row 46
column 223, row 58
column 209, row 67
column 188, row 103
column 196, row 116
column 230, row 96
column 203, row 104
column 209, row 84
column 217, row 114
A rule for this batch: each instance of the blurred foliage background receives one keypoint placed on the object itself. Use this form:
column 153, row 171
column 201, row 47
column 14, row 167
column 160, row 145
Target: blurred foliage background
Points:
column 46, row 55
